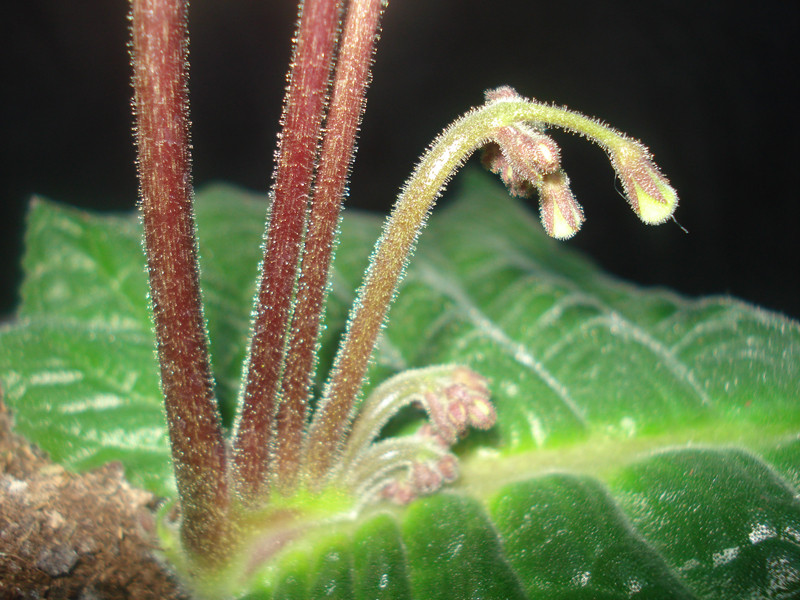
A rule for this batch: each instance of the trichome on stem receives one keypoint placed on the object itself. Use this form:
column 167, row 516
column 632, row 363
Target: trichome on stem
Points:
column 277, row 451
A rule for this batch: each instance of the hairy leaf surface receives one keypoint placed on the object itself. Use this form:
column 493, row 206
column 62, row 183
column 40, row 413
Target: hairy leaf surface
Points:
column 647, row 445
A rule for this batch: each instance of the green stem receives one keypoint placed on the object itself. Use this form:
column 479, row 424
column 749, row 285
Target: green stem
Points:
column 160, row 46
column 332, row 421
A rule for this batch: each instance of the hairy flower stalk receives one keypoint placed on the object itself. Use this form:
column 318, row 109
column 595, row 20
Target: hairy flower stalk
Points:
column 162, row 135
column 346, row 108
column 339, row 461
column 653, row 203
column 305, row 102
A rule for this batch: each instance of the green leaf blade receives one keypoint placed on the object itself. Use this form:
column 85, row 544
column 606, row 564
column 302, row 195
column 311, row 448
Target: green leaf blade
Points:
column 741, row 551
column 566, row 538
column 454, row 552
column 84, row 267
column 89, row 396
column 380, row 561
column 647, row 445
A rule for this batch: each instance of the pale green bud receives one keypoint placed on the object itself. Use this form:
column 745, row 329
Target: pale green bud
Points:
column 561, row 214
column 648, row 191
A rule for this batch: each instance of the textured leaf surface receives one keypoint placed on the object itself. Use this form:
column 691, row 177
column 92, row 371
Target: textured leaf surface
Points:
column 647, row 445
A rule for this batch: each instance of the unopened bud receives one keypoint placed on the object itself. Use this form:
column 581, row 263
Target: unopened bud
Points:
column 522, row 155
column 648, row 191
column 448, row 467
column 496, row 162
column 457, row 414
column 425, row 479
column 561, row 214
column 471, row 380
column 501, row 93
column 529, row 151
column 398, row 492
column 481, row 414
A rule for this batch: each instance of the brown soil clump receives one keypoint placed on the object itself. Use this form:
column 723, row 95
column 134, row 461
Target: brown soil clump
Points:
column 87, row 536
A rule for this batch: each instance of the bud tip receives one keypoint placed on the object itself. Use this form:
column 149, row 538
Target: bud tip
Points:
column 648, row 191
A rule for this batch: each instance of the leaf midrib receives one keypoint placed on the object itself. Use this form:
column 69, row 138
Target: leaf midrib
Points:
column 484, row 471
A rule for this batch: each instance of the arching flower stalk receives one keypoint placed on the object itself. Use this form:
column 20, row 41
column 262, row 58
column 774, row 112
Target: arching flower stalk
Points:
column 288, row 472
column 514, row 125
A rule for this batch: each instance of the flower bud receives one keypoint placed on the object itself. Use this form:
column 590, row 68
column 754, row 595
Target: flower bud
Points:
column 504, row 92
column 495, row 161
column 529, row 151
column 648, row 191
column 521, row 155
column 561, row 214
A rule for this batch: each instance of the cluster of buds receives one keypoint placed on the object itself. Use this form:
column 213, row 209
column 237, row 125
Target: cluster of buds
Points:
column 405, row 467
column 513, row 132
column 402, row 468
column 529, row 160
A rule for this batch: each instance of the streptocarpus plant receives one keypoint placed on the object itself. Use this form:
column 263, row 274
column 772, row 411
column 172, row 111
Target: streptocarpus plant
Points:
column 644, row 444
column 242, row 500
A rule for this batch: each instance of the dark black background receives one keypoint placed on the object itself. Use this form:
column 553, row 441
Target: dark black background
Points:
column 710, row 87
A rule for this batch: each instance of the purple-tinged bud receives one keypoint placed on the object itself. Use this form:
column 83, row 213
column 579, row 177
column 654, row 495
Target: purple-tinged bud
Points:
column 481, row 413
column 425, row 479
column 503, row 92
column 530, row 152
column 458, row 415
column 495, row 161
column 421, row 479
column 441, row 419
column 472, row 381
column 649, row 193
column 448, row 467
column 429, row 432
column 521, row 155
column 398, row 492
column 561, row 214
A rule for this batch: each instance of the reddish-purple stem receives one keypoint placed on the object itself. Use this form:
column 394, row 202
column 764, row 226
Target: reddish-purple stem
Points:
column 346, row 108
column 160, row 46
column 303, row 113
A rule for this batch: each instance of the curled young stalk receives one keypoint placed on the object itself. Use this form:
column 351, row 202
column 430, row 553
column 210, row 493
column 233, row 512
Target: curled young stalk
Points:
column 454, row 398
column 515, row 125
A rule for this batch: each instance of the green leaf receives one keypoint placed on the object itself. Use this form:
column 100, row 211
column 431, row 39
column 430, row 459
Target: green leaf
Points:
column 544, row 522
column 455, row 553
column 647, row 445
column 675, row 501
column 382, row 569
column 78, row 366
column 82, row 347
